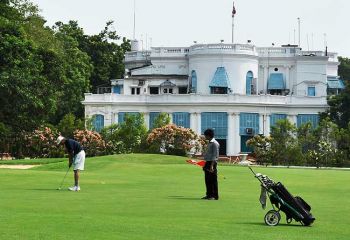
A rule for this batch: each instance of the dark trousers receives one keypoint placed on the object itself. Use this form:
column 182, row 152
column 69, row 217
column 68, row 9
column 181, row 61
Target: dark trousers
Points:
column 211, row 180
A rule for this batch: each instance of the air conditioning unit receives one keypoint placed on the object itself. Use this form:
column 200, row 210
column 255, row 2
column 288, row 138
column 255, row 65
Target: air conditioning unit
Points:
column 249, row 131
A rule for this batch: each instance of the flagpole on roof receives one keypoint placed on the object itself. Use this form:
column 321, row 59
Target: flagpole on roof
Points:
column 233, row 21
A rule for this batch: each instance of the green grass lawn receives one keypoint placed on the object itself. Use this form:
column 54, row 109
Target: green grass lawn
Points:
column 158, row 197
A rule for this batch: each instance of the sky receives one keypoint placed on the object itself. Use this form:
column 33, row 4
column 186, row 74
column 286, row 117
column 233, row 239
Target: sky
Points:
column 178, row 23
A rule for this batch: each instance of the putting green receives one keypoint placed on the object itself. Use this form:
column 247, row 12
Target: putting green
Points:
column 158, row 197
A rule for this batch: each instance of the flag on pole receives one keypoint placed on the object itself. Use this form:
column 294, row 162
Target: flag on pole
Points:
column 194, row 162
column 233, row 10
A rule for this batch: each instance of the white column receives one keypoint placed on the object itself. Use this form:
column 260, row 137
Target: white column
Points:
column 288, row 80
column 193, row 121
column 116, row 117
column 107, row 116
column 292, row 118
column 267, row 124
column 230, row 134
column 170, row 114
column 237, row 137
column 199, row 123
column 146, row 116
column 266, row 70
column 261, row 123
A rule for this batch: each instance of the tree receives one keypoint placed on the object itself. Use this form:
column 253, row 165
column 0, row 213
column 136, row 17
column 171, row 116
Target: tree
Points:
column 284, row 145
column 339, row 111
column 161, row 120
column 128, row 136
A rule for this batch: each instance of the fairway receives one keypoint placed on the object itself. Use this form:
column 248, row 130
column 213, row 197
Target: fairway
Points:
column 158, row 197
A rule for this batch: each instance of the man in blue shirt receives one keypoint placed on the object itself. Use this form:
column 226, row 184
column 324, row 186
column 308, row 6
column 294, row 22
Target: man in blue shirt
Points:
column 76, row 157
column 211, row 157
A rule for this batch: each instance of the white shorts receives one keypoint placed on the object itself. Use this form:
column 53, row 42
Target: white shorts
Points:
column 79, row 161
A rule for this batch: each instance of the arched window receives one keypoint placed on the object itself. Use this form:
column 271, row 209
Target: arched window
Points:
column 193, row 85
column 98, row 122
column 249, row 83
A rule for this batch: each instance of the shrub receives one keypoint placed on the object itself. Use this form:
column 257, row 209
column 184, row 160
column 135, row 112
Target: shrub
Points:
column 92, row 142
column 174, row 140
column 42, row 143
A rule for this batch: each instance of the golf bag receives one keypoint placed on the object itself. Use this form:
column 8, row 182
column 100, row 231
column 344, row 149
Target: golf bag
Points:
column 281, row 200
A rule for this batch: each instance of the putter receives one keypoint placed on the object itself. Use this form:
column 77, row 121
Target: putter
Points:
column 63, row 179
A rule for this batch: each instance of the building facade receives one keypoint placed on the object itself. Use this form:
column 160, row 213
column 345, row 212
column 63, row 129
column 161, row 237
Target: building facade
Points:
column 239, row 90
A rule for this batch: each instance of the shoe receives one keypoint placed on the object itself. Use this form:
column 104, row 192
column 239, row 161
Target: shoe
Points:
column 205, row 197
column 211, row 198
column 74, row 188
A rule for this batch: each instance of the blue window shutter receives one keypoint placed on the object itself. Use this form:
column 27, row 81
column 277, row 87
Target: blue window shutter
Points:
column 98, row 122
column 249, row 81
column 276, row 117
column 216, row 121
column 311, row 91
column 194, row 81
column 152, row 117
column 248, row 120
column 116, row 89
column 181, row 119
column 276, row 81
column 314, row 119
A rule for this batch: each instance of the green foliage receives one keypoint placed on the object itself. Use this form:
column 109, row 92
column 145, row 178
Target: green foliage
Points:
column 126, row 137
column 261, row 148
column 284, row 144
column 339, row 111
column 161, row 120
column 69, row 124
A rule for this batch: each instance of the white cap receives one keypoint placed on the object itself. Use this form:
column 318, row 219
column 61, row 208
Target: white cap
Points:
column 59, row 139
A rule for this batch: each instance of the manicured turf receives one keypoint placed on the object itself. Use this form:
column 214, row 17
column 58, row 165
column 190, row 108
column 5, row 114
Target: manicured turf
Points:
column 157, row 197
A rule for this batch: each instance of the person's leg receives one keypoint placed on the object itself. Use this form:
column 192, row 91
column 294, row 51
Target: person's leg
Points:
column 76, row 178
column 215, row 182
column 207, row 181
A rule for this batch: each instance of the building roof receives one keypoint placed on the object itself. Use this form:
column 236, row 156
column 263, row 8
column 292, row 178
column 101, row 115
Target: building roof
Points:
column 220, row 78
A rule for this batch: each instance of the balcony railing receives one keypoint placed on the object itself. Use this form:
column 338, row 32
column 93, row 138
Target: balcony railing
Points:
column 198, row 99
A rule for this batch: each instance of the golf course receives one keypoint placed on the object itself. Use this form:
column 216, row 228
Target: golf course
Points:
column 141, row 196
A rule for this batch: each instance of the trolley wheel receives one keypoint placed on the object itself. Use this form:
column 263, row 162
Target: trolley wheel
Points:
column 272, row 218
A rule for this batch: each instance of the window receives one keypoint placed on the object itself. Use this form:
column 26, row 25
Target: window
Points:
column 182, row 90
column 218, row 90
column 314, row 119
column 181, row 119
column 216, row 121
column 249, row 83
column 193, row 83
column 98, row 122
column 274, row 118
column 154, row 90
column 311, row 91
column 168, row 90
column 135, row 91
column 248, row 121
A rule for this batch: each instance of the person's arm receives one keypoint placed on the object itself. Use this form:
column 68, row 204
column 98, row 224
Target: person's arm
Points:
column 215, row 156
column 70, row 159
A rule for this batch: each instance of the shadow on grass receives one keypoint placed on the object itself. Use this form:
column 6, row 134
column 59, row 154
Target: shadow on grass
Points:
column 264, row 225
column 184, row 198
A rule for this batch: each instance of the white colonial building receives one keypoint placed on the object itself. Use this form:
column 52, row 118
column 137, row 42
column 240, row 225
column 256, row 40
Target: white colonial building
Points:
column 239, row 90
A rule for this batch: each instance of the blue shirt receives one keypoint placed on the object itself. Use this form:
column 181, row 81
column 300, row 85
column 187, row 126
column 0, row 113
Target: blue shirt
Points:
column 73, row 146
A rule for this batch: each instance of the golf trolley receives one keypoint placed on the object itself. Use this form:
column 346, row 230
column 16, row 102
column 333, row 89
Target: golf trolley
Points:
column 281, row 200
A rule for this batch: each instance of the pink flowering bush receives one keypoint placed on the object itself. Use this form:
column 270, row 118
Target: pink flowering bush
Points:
column 174, row 140
column 93, row 143
column 41, row 143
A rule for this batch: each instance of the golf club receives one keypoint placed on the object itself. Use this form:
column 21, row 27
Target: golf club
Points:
column 63, row 179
